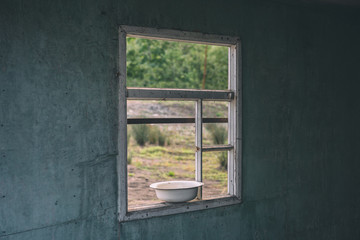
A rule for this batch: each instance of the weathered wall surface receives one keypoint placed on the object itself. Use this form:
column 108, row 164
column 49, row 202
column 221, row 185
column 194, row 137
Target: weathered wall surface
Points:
column 58, row 120
column 58, row 64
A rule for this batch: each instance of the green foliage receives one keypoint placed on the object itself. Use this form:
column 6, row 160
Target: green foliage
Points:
column 164, row 64
column 171, row 174
column 223, row 160
column 161, row 138
column 153, row 152
column 218, row 136
column 156, row 136
column 218, row 133
column 141, row 133
column 128, row 136
column 153, row 134
column 129, row 157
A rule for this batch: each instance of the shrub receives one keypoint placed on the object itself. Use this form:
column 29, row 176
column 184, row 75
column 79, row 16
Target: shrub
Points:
column 141, row 133
column 223, row 160
column 129, row 157
column 218, row 133
column 161, row 138
column 218, row 136
column 154, row 134
column 128, row 136
column 171, row 174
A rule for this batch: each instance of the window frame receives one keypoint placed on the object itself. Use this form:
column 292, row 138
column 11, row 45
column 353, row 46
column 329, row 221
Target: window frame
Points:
column 233, row 96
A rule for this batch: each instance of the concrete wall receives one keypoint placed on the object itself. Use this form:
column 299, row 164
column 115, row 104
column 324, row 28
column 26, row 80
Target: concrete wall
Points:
column 58, row 64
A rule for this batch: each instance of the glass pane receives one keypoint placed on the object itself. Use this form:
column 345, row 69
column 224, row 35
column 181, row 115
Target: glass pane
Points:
column 215, row 174
column 169, row 64
column 158, row 153
column 215, row 133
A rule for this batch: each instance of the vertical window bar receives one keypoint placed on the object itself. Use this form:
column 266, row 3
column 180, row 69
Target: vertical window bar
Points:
column 122, row 130
column 232, row 120
column 198, row 143
column 236, row 49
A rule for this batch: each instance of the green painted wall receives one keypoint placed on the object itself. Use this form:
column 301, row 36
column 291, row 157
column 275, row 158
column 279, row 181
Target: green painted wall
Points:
column 301, row 155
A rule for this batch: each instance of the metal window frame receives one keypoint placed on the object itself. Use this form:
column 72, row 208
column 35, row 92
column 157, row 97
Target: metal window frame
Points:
column 232, row 95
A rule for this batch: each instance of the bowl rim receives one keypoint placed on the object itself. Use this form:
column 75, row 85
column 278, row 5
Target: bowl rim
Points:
column 155, row 185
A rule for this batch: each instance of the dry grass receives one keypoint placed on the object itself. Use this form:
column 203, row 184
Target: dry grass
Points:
column 173, row 161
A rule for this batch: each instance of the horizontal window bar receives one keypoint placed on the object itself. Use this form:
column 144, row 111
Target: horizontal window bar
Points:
column 179, row 94
column 173, row 120
column 179, row 36
column 217, row 148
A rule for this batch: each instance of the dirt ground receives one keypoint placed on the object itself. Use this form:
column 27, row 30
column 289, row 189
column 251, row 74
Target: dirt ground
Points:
column 139, row 180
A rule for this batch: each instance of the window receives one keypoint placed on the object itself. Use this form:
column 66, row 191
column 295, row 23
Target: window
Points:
column 231, row 96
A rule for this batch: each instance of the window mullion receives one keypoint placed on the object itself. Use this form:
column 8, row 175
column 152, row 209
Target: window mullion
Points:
column 198, row 143
column 232, row 121
column 122, row 131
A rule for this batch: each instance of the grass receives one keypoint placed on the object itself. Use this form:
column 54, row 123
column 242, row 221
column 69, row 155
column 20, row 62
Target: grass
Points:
column 223, row 160
column 153, row 152
column 153, row 134
column 177, row 162
column 141, row 133
column 218, row 133
column 161, row 138
column 174, row 158
column 129, row 157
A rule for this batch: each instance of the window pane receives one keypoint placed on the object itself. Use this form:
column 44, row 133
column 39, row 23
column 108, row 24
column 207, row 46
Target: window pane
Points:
column 215, row 133
column 214, row 174
column 167, row 153
column 169, row 64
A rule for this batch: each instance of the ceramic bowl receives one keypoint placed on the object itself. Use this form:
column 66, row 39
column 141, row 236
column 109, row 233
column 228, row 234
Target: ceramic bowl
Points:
column 176, row 191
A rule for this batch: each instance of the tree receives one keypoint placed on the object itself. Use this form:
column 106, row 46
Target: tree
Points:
column 165, row 64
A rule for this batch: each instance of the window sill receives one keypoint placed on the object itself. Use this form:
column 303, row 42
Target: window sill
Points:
column 163, row 209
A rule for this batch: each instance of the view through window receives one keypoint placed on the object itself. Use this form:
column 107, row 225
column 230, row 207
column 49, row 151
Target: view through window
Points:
column 162, row 152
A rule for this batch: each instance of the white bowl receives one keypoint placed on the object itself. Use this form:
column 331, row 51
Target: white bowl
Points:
column 176, row 191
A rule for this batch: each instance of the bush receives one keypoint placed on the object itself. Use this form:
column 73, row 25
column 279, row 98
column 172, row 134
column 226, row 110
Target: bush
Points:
column 161, row 138
column 223, row 160
column 129, row 157
column 218, row 136
column 153, row 134
column 218, row 133
column 141, row 133
column 128, row 136
column 156, row 136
